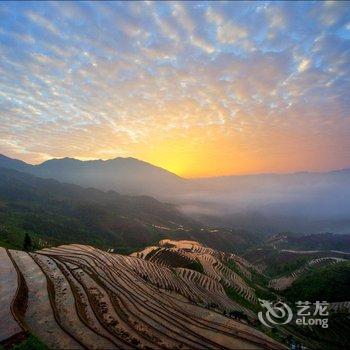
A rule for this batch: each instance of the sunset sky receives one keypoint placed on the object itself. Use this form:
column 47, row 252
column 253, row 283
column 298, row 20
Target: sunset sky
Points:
column 199, row 88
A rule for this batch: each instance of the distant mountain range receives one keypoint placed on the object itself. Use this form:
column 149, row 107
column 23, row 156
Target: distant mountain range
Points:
column 309, row 202
column 56, row 213
column 125, row 175
column 133, row 176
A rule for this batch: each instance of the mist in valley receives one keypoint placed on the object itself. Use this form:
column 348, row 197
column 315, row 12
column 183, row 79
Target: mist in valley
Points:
column 304, row 202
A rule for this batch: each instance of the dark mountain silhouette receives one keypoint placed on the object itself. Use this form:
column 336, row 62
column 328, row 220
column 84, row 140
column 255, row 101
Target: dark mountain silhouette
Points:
column 308, row 202
column 125, row 175
column 58, row 213
column 6, row 162
column 133, row 176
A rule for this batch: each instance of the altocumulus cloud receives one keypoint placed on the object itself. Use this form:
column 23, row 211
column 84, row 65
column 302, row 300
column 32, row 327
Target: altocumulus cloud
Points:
column 115, row 78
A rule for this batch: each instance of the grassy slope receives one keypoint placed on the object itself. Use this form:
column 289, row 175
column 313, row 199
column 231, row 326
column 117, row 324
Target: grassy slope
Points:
column 31, row 343
column 330, row 283
column 335, row 337
column 63, row 213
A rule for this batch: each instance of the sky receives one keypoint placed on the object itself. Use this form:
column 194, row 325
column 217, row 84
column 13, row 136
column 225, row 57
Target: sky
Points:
column 198, row 88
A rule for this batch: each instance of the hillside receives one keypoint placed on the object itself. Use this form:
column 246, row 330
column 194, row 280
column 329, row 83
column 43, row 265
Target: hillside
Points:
column 120, row 302
column 61, row 213
column 330, row 282
column 54, row 213
column 306, row 202
column 244, row 284
column 283, row 253
column 175, row 294
column 125, row 175
column 311, row 243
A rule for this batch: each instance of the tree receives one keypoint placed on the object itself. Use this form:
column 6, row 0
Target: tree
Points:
column 238, row 315
column 27, row 243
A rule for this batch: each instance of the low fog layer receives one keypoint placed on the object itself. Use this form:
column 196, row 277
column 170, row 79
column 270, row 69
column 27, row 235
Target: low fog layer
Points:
column 305, row 202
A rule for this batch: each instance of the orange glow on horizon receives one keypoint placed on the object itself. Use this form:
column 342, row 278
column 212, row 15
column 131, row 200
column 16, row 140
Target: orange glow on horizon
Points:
column 209, row 152
column 214, row 150
column 235, row 98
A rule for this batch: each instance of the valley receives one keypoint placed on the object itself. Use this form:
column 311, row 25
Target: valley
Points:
column 86, row 268
column 174, row 175
column 308, row 202
column 55, row 213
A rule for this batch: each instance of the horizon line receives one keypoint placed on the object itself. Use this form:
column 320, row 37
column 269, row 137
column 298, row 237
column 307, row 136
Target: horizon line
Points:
column 182, row 177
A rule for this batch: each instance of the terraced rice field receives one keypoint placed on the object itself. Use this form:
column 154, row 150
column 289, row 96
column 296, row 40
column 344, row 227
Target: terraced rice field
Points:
column 182, row 253
column 80, row 297
column 143, row 253
column 8, row 290
column 284, row 282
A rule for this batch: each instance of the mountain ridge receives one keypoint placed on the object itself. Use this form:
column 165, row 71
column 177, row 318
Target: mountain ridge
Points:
column 58, row 213
column 53, row 210
column 125, row 175
column 140, row 161
column 303, row 202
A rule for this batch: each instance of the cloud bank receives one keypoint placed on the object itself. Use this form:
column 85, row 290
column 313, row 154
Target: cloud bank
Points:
column 200, row 88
